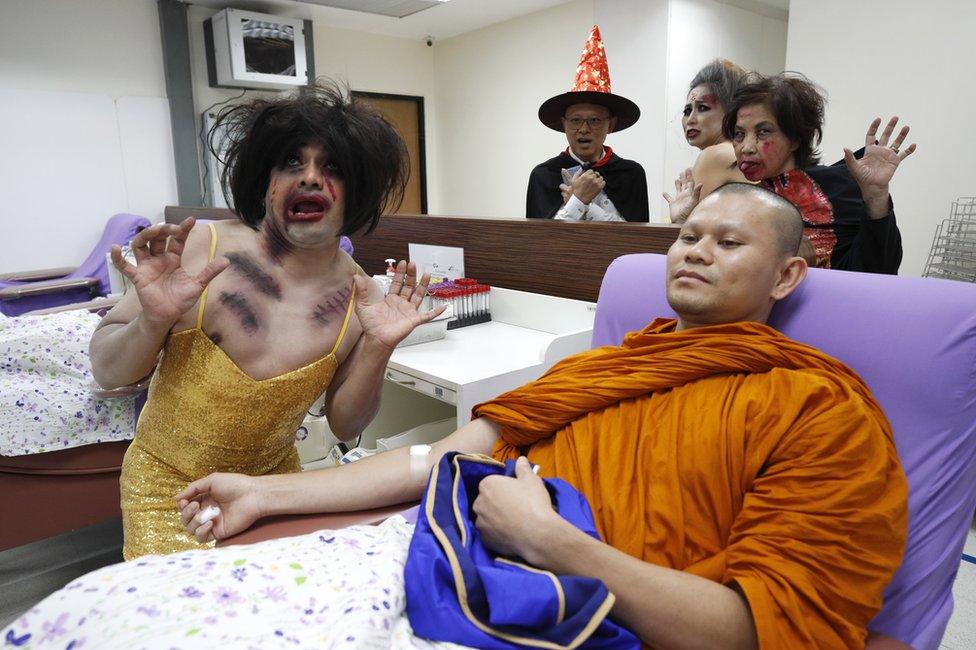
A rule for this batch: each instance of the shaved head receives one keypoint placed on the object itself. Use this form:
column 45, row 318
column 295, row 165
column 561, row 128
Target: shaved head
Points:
column 735, row 256
column 784, row 216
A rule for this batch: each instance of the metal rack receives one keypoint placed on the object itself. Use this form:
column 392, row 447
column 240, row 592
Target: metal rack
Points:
column 953, row 253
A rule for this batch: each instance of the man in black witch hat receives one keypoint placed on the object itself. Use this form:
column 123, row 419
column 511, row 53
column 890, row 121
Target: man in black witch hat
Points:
column 588, row 181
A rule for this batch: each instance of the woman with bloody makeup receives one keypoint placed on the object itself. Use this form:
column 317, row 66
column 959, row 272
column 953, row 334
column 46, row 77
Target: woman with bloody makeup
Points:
column 245, row 323
column 775, row 125
column 710, row 95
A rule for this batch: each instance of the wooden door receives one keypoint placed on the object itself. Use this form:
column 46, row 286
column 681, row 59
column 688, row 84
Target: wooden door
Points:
column 406, row 113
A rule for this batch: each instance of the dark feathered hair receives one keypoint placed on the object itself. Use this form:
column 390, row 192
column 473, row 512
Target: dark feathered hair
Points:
column 796, row 103
column 261, row 134
column 723, row 78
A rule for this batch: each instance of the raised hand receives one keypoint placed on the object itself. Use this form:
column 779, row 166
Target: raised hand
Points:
column 390, row 320
column 164, row 289
column 686, row 197
column 875, row 169
column 234, row 494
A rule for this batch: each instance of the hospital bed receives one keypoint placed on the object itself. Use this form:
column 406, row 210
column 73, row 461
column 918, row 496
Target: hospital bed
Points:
column 58, row 491
column 53, row 492
column 913, row 340
column 43, row 289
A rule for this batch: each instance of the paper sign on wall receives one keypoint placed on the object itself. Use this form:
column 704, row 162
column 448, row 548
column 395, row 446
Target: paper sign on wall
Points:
column 442, row 262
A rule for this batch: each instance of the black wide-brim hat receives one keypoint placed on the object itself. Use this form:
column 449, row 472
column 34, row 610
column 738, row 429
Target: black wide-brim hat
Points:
column 591, row 86
column 553, row 109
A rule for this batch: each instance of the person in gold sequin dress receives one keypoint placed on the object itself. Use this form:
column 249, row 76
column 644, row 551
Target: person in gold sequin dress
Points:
column 247, row 322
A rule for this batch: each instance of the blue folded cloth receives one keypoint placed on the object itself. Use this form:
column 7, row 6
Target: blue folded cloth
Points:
column 459, row 591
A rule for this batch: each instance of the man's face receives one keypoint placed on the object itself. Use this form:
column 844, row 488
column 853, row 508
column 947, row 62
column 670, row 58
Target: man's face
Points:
column 305, row 201
column 586, row 127
column 761, row 149
column 726, row 264
column 701, row 119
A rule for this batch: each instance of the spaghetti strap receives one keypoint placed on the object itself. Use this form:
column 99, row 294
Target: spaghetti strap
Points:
column 345, row 322
column 210, row 258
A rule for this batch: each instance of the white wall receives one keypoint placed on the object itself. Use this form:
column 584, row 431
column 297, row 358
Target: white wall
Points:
column 489, row 85
column 102, row 60
column 106, row 47
column 636, row 34
column 482, row 89
column 905, row 58
column 366, row 62
column 700, row 31
column 78, row 78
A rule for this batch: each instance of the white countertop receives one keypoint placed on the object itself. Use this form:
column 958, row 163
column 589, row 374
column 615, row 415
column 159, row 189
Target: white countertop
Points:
column 473, row 353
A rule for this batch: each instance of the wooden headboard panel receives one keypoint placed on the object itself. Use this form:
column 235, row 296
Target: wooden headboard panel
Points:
column 540, row 255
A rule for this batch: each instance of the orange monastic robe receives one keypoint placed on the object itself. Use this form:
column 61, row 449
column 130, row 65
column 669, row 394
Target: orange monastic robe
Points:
column 733, row 453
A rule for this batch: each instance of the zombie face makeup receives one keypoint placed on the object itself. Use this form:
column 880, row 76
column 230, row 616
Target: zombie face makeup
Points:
column 761, row 149
column 305, row 202
column 701, row 119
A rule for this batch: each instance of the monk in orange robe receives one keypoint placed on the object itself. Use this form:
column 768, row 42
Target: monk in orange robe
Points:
column 746, row 486
column 731, row 453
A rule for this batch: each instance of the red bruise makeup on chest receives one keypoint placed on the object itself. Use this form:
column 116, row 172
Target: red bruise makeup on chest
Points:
column 333, row 307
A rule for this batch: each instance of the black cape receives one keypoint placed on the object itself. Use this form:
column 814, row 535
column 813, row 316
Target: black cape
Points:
column 626, row 187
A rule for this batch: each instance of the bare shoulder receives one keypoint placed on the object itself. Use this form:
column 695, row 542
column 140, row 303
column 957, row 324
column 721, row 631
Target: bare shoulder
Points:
column 197, row 248
column 230, row 234
column 719, row 156
column 716, row 166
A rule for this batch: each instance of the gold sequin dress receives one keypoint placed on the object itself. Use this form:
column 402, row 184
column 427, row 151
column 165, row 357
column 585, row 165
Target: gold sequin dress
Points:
column 203, row 414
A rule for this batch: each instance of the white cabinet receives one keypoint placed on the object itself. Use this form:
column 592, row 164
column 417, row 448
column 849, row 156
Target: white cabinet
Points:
column 527, row 334
column 428, row 381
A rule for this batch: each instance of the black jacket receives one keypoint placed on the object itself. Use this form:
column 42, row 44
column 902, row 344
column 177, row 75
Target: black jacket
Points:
column 626, row 187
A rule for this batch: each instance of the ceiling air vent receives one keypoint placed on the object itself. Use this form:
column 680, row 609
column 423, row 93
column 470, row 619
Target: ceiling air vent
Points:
column 394, row 8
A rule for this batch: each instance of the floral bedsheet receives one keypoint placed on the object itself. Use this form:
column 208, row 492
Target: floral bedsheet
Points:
column 45, row 387
column 328, row 589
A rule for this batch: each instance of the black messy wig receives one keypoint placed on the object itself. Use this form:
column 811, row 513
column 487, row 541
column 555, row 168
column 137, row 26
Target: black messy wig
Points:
column 262, row 134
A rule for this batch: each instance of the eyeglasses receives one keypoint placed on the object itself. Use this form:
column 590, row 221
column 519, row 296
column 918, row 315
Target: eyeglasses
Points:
column 576, row 123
